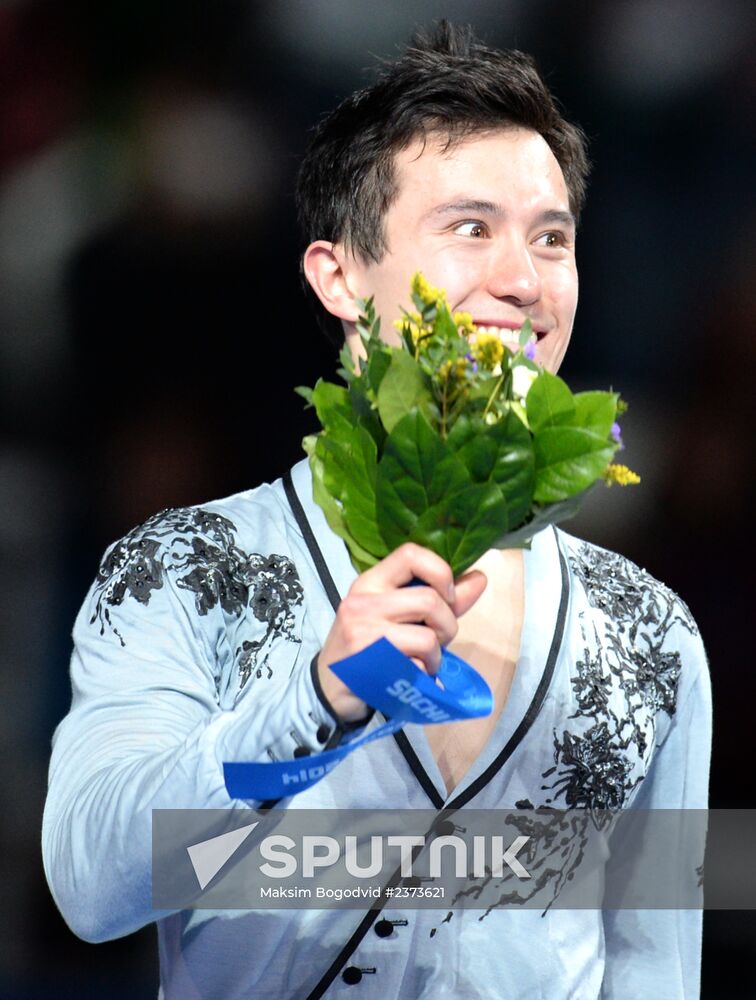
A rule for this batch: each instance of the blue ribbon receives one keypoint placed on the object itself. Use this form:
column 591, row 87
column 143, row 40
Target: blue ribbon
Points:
column 384, row 678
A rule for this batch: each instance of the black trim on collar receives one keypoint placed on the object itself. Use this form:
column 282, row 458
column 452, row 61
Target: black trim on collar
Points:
column 312, row 543
column 535, row 706
column 418, row 770
column 326, row 578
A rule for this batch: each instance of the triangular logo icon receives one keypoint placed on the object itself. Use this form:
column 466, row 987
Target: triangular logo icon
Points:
column 209, row 856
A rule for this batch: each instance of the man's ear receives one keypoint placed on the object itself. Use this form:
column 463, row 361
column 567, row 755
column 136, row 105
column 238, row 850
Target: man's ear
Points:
column 326, row 269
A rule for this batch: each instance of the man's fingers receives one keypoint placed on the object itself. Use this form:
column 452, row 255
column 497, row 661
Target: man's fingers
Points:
column 419, row 643
column 406, row 563
column 409, row 605
column 469, row 588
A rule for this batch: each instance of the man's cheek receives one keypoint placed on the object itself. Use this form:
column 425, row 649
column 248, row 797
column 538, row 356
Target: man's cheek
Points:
column 459, row 279
column 564, row 289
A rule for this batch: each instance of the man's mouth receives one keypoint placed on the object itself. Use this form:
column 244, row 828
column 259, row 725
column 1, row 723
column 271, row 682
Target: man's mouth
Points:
column 510, row 337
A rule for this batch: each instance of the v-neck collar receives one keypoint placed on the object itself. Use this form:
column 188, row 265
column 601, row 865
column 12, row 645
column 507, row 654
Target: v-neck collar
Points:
column 546, row 601
column 542, row 623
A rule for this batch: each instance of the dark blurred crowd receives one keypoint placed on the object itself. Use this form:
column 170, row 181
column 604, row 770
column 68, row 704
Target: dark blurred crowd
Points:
column 152, row 329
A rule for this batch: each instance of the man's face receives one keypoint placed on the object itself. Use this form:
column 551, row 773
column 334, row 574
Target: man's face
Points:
column 488, row 221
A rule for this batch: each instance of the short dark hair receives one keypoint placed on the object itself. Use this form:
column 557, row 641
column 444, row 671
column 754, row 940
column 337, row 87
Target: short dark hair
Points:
column 447, row 82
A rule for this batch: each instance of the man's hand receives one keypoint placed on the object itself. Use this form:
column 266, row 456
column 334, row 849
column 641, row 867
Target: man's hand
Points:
column 417, row 620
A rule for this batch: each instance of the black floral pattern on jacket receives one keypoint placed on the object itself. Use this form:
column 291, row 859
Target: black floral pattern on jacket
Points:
column 623, row 680
column 199, row 548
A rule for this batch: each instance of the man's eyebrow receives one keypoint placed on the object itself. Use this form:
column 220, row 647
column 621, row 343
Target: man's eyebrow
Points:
column 550, row 216
column 467, row 205
column 557, row 217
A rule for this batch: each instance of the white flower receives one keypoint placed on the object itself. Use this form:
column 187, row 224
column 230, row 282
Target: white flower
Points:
column 522, row 379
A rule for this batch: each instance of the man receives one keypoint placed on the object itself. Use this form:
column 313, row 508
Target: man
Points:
column 210, row 632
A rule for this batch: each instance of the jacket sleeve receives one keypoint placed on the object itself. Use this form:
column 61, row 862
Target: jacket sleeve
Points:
column 146, row 731
column 657, row 952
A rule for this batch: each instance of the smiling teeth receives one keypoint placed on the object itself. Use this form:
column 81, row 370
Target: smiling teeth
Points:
column 510, row 338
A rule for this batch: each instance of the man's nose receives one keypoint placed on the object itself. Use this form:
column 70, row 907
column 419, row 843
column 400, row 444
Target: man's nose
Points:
column 513, row 274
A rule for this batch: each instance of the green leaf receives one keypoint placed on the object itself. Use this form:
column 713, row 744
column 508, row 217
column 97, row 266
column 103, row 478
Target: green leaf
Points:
column 464, row 431
column 416, row 472
column 407, row 341
column 359, row 496
column 568, row 460
column 305, row 392
column 552, row 513
column 404, row 387
column 596, row 411
column 346, row 371
column 526, row 333
column 365, row 413
column 378, row 365
column 446, row 328
column 501, row 453
column 514, row 470
column 463, row 526
column 425, row 492
column 333, row 408
column 549, row 403
column 333, row 494
column 427, row 310
column 368, row 324
column 331, row 509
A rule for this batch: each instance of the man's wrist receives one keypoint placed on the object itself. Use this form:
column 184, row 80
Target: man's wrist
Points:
column 341, row 728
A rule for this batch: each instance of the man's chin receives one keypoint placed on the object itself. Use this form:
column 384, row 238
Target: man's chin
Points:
column 550, row 355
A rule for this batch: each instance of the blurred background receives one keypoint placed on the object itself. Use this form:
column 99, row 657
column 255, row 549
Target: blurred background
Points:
column 152, row 329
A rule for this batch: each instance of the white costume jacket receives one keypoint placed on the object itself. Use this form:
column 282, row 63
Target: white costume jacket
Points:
column 194, row 647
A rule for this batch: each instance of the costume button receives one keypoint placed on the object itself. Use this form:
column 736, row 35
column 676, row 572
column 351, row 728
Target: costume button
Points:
column 352, row 975
column 384, row 928
column 302, row 752
column 322, row 734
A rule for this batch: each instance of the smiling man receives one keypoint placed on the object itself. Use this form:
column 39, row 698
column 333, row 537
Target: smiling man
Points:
column 210, row 632
column 489, row 220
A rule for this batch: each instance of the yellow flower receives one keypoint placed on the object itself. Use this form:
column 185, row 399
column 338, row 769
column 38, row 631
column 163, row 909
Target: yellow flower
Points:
column 464, row 323
column 427, row 292
column 488, row 350
column 620, row 474
column 451, row 370
column 414, row 323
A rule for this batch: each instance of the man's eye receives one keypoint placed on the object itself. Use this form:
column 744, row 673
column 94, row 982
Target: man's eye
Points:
column 552, row 239
column 474, row 229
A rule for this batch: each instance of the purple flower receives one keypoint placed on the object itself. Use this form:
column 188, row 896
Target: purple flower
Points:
column 616, row 433
column 529, row 350
column 473, row 362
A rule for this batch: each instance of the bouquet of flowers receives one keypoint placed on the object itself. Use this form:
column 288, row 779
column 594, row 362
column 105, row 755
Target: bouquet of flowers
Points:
column 453, row 440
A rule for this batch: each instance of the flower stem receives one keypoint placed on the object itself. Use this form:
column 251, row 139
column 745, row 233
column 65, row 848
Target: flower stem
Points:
column 444, row 402
column 494, row 394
